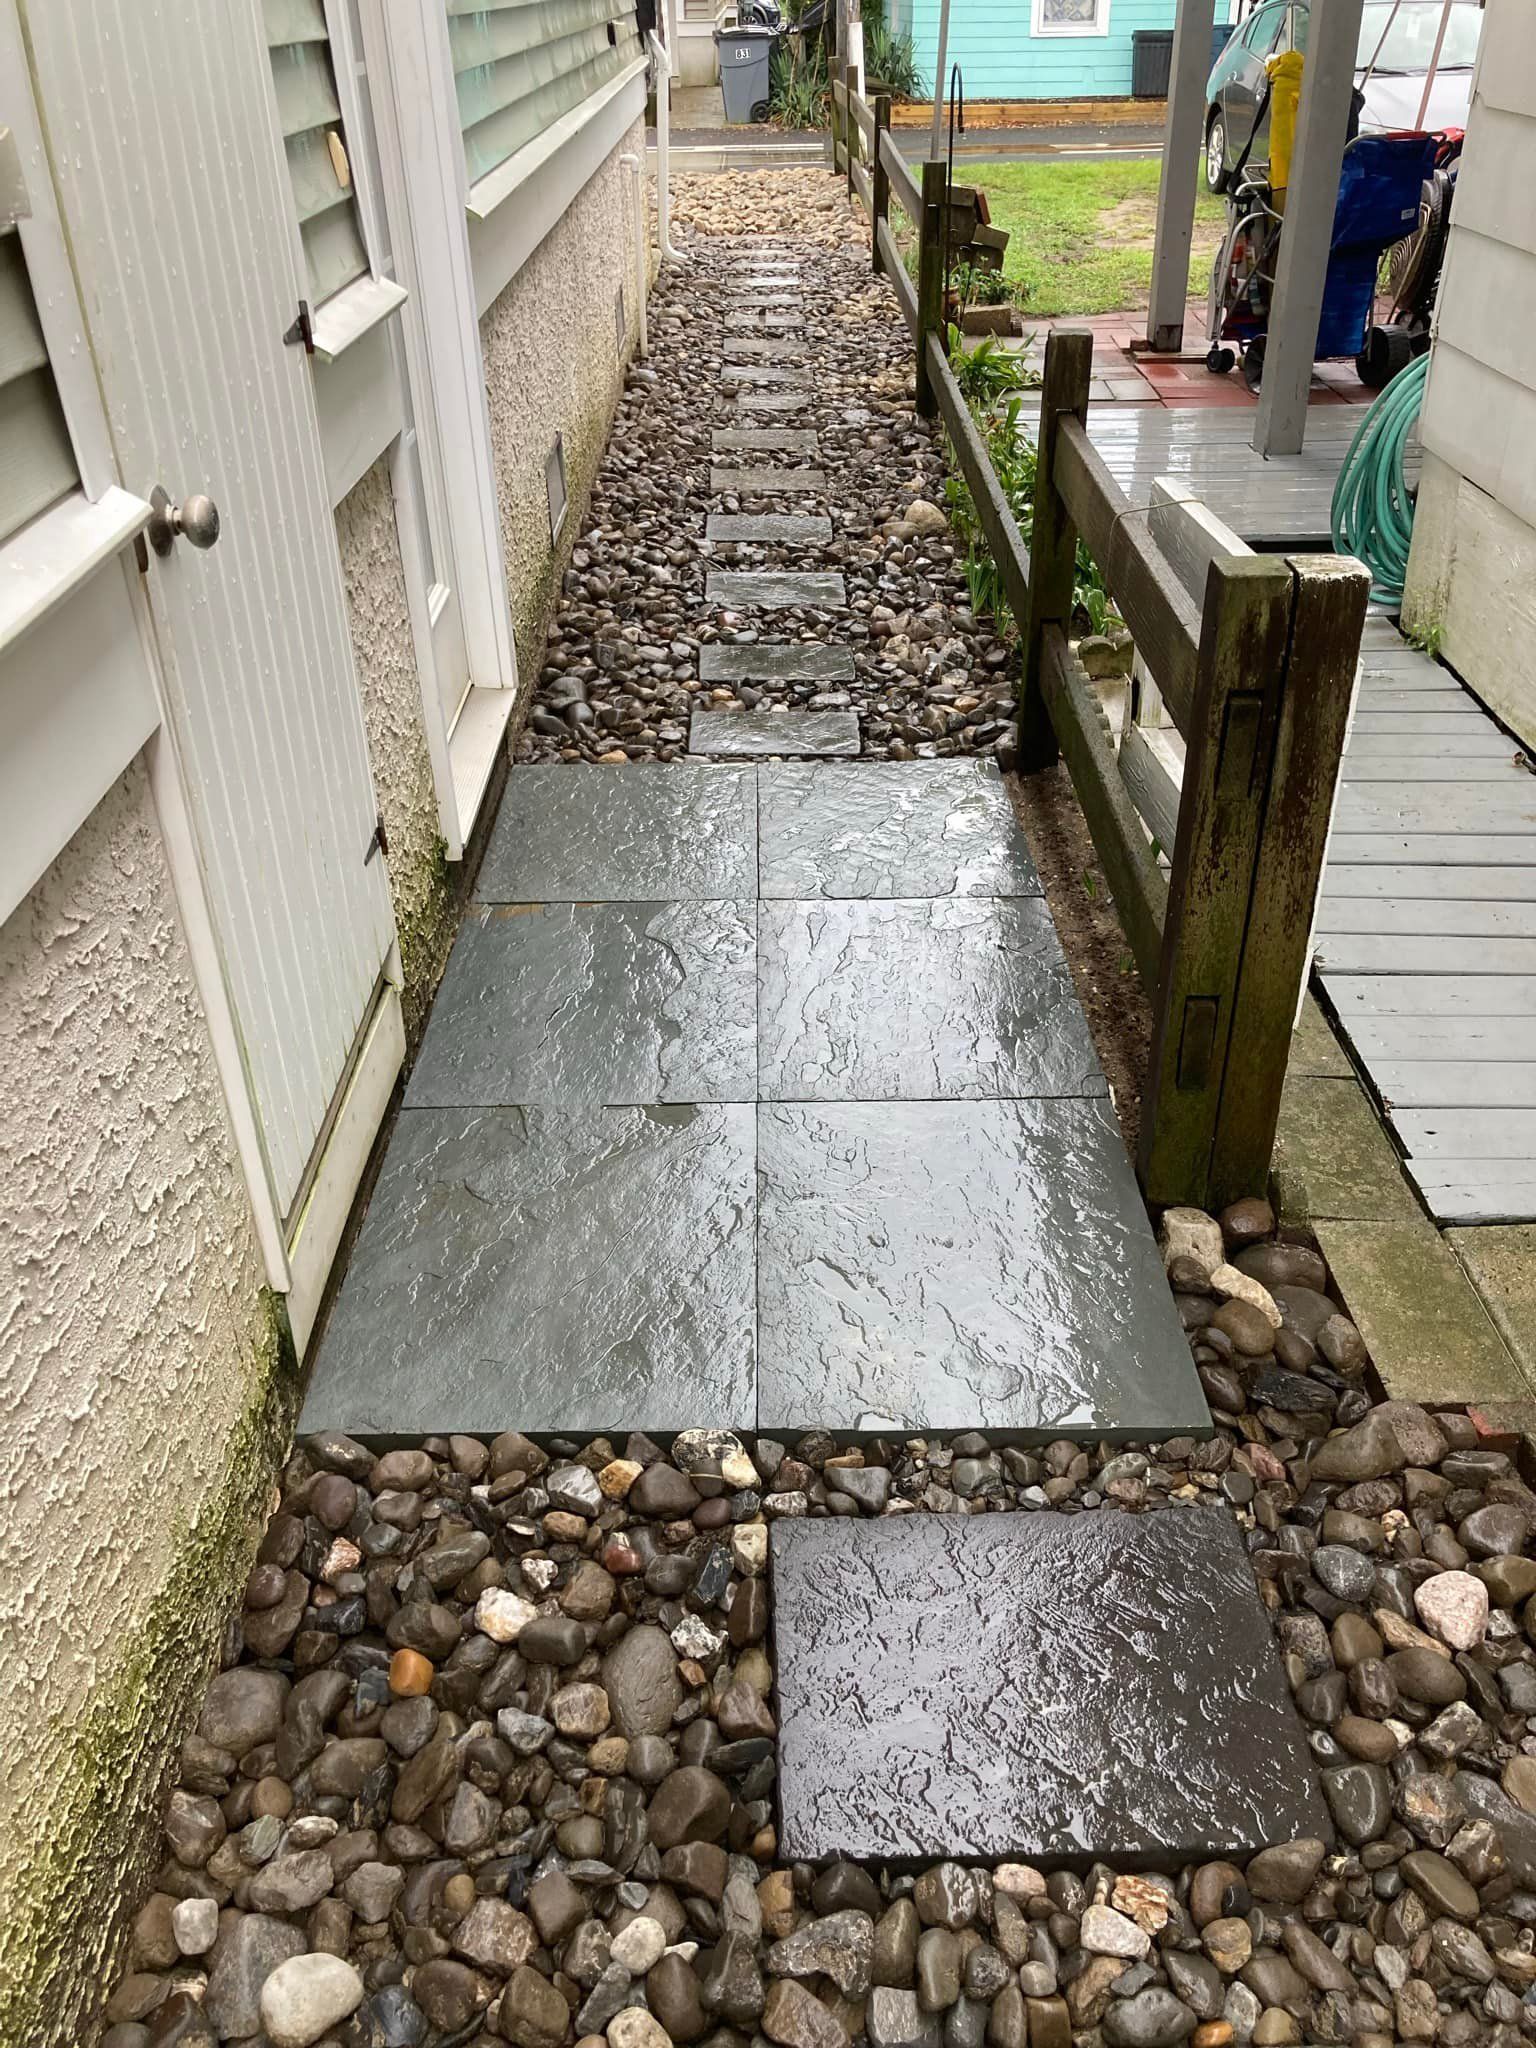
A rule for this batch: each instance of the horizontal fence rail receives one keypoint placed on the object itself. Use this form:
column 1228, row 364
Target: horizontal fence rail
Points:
column 1246, row 660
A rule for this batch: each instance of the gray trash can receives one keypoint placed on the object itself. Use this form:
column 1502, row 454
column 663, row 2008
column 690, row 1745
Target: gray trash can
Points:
column 744, row 55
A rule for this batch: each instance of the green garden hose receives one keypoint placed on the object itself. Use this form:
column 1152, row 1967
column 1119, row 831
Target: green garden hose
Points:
column 1372, row 504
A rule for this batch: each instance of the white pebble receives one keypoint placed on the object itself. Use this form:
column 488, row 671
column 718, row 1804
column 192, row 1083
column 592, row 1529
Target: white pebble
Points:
column 502, row 1615
column 195, row 1924
column 749, row 1547
column 1235, row 1286
column 634, row 2028
column 307, row 1996
column 640, row 1944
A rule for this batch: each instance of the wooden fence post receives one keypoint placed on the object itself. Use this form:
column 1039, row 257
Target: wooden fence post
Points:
column 832, row 116
column 880, row 180
column 1327, row 617
column 930, row 279
column 852, row 135
column 1053, row 538
column 1197, row 1052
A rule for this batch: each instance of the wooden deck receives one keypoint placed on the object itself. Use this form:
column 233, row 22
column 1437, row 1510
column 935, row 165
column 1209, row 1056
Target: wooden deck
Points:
column 1426, row 939
column 1283, row 502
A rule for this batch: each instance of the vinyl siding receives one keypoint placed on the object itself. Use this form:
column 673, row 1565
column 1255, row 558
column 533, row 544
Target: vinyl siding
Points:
column 1001, row 60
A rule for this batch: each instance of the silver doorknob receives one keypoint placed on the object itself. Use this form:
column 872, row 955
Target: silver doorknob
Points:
column 195, row 519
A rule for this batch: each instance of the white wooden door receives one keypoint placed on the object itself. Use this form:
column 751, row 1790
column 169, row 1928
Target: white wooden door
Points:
column 176, row 208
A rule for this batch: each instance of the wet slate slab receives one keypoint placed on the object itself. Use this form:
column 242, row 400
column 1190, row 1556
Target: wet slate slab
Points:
column 776, row 661
column 762, row 483
column 768, row 526
column 1057, row 1688
column 593, row 1003
column 887, row 829
column 776, row 589
column 764, row 440
column 750, row 403
column 766, row 373
column 944, row 997
column 781, row 348
column 577, row 1270
column 616, row 834
column 776, row 730
column 759, row 323
column 962, row 1265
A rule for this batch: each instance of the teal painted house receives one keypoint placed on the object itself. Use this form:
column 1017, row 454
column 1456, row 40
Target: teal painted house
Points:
column 1037, row 49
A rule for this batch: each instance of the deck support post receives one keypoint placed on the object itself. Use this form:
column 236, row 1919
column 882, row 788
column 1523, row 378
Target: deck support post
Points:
column 1322, row 118
column 1183, row 138
column 1053, row 539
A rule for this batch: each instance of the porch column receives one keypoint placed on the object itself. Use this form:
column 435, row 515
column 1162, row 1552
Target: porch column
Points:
column 1183, row 135
column 1327, row 80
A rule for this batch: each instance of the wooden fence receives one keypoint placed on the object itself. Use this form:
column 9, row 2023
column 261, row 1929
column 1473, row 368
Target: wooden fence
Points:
column 1252, row 660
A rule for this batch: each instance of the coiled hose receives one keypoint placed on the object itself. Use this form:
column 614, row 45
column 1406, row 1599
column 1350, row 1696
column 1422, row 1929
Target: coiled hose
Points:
column 1372, row 504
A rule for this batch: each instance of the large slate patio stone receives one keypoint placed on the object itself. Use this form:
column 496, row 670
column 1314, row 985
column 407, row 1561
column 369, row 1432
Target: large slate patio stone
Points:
column 1059, row 1688
column 777, row 730
column 759, row 348
column 946, row 996
column 768, row 526
column 763, row 440
column 775, row 589
column 623, row 834
column 558, row 1271
column 962, row 1265
column 890, row 829
column 776, row 661
column 590, row 1003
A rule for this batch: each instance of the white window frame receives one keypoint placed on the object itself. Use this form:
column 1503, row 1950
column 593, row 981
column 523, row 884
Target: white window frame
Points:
column 1077, row 30
column 76, row 703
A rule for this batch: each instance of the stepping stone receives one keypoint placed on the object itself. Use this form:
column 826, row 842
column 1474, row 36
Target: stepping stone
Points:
column 746, row 347
column 764, row 301
column 776, row 661
column 937, row 1266
column 615, row 834
column 892, row 829
column 761, row 483
column 752, row 402
column 502, row 1272
column 775, row 589
column 760, row 323
column 764, row 440
column 593, row 1003
column 949, row 996
column 766, row 373
column 776, row 730
column 768, row 526
column 1053, row 1688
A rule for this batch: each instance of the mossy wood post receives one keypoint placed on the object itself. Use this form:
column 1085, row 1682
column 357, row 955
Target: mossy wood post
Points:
column 1327, row 617
column 1198, row 1056
column 930, row 280
column 1052, row 540
column 880, row 181
column 832, row 118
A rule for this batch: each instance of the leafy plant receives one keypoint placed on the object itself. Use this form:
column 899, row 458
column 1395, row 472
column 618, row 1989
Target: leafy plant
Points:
column 890, row 57
column 799, row 94
column 985, row 373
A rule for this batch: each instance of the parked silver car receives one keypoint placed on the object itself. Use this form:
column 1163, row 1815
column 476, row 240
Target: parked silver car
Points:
column 1393, row 58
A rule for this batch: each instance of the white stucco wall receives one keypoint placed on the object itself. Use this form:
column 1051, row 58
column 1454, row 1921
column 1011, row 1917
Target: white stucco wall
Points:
column 552, row 364
column 132, row 1328
column 1472, row 575
column 368, row 540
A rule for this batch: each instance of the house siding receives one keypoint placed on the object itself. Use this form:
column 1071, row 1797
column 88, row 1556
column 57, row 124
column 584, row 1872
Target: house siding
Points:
column 136, row 1338
column 552, row 364
column 1000, row 59
column 1472, row 571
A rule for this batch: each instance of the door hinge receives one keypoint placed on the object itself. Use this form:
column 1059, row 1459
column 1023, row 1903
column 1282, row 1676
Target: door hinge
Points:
column 302, row 330
column 379, row 843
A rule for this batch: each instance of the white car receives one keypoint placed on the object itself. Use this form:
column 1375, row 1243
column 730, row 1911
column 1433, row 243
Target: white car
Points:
column 1393, row 58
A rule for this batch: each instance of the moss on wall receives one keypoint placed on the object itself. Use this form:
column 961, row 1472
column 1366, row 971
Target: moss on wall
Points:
column 71, row 1892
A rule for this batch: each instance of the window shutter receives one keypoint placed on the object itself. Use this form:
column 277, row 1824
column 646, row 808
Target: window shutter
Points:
column 518, row 65
column 37, row 459
column 318, row 169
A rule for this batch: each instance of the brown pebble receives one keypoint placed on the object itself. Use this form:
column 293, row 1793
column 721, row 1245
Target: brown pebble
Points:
column 410, row 1674
column 271, row 1795
column 265, row 1587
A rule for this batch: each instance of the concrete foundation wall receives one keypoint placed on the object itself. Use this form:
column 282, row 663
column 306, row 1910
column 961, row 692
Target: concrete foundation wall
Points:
column 368, row 540
column 553, row 365
column 137, row 1403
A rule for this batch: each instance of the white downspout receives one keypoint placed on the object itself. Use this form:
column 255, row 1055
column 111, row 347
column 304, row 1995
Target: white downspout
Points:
column 630, row 162
column 663, row 62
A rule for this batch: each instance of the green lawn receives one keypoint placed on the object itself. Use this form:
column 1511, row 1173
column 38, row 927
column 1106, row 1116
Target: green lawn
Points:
column 1081, row 234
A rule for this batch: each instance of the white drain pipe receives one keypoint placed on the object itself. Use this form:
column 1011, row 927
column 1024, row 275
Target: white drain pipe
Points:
column 663, row 64
column 630, row 162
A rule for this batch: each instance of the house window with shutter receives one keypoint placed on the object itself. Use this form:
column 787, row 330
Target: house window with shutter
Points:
column 309, row 112
column 37, row 458
column 520, row 65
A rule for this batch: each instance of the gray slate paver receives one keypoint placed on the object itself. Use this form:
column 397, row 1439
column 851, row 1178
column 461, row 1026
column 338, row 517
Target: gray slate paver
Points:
column 767, row 373
column 890, row 829
column 636, row 833
column 572, row 1271
column 744, row 734
column 1046, row 1687
column 956, row 1265
column 776, row 589
column 593, row 1003
column 776, row 661
column 781, row 348
column 771, row 528
column 945, row 997
column 764, row 440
